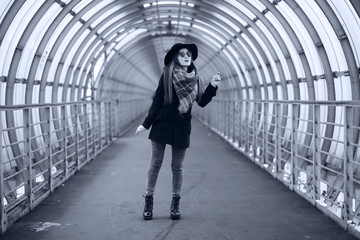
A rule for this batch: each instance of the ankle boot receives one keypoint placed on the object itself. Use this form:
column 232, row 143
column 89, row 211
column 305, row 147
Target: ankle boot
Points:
column 174, row 210
column 148, row 214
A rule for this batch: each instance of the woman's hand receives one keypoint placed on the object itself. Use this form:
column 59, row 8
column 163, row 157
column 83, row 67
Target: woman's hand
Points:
column 140, row 129
column 215, row 81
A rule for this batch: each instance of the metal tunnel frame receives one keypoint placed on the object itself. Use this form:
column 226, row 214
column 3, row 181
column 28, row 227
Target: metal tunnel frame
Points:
column 75, row 74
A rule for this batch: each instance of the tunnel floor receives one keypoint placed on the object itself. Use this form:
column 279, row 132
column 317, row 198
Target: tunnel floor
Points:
column 225, row 196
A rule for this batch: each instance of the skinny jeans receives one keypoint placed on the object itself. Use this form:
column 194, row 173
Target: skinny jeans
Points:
column 178, row 155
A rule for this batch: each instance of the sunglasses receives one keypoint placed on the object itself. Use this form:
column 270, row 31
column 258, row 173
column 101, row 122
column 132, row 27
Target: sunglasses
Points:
column 183, row 54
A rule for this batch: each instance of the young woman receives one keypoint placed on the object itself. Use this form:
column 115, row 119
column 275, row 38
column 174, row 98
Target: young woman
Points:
column 170, row 118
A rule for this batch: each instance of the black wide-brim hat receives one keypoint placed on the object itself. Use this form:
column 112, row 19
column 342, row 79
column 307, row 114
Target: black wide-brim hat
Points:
column 176, row 47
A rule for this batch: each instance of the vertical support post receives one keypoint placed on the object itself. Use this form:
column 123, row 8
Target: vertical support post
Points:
column 236, row 122
column 294, row 146
column 94, row 127
column 3, row 217
column 265, row 132
column 230, row 119
column 27, row 157
column 118, row 109
column 86, row 130
column 348, row 164
column 100, row 127
column 316, row 153
column 111, row 123
column 48, row 149
column 77, row 138
column 277, row 138
column 254, row 136
column 247, row 129
column 64, row 142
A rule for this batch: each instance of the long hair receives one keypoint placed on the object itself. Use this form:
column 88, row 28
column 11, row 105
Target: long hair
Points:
column 168, row 79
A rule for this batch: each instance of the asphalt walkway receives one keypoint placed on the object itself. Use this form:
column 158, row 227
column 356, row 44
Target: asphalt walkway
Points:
column 225, row 196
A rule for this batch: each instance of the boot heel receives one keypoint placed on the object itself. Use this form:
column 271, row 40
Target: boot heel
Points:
column 148, row 209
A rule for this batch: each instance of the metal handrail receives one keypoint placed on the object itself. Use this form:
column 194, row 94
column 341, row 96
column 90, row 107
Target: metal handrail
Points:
column 316, row 158
column 39, row 154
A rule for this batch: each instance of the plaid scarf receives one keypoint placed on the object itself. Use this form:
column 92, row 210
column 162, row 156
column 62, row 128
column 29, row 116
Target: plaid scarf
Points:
column 185, row 85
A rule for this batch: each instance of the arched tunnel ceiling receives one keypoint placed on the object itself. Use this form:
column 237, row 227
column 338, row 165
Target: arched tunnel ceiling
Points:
column 58, row 51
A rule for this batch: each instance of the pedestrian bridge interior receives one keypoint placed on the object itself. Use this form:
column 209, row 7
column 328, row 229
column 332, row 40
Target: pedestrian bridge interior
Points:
column 76, row 75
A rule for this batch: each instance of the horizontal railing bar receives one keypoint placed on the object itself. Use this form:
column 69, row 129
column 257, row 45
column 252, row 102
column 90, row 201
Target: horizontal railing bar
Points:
column 14, row 128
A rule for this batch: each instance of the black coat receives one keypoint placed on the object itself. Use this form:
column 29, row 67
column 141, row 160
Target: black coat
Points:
column 168, row 125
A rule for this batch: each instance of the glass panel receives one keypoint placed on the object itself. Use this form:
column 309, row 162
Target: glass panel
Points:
column 257, row 4
column 277, row 50
column 231, row 60
column 130, row 37
column 268, row 56
column 233, row 52
column 2, row 93
column 231, row 25
column 290, row 91
column 209, row 32
column 64, row 44
column 83, row 51
column 251, row 63
column 289, row 44
column 234, row 15
column 244, row 79
column 13, row 35
column 98, row 66
column 327, row 35
column 210, row 39
column 320, row 89
column 303, row 89
column 48, row 94
column 59, row 93
column 270, row 93
column 34, row 40
column 350, row 21
column 111, row 21
column 105, row 15
column 41, row 66
column 214, row 25
column 258, row 57
column 19, row 93
column 304, row 38
column 4, row 8
column 36, row 93
column 343, row 86
column 81, row 5
column 279, row 92
column 74, row 50
column 96, row 8
column 51, row 43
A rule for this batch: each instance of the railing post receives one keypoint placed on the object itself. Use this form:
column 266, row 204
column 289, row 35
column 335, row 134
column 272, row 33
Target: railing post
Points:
column 64, row 132
column 27, row 157
column 294, row 146
column 247, row 129
column 110, row 121
column 93, row 107
column 77, row 138
column 277, row 138
column 265, row 132
column 86, row 117
column 48, row 151
column 3, row 217
column 348, row 163
column 316, row 153
column 254, row 136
